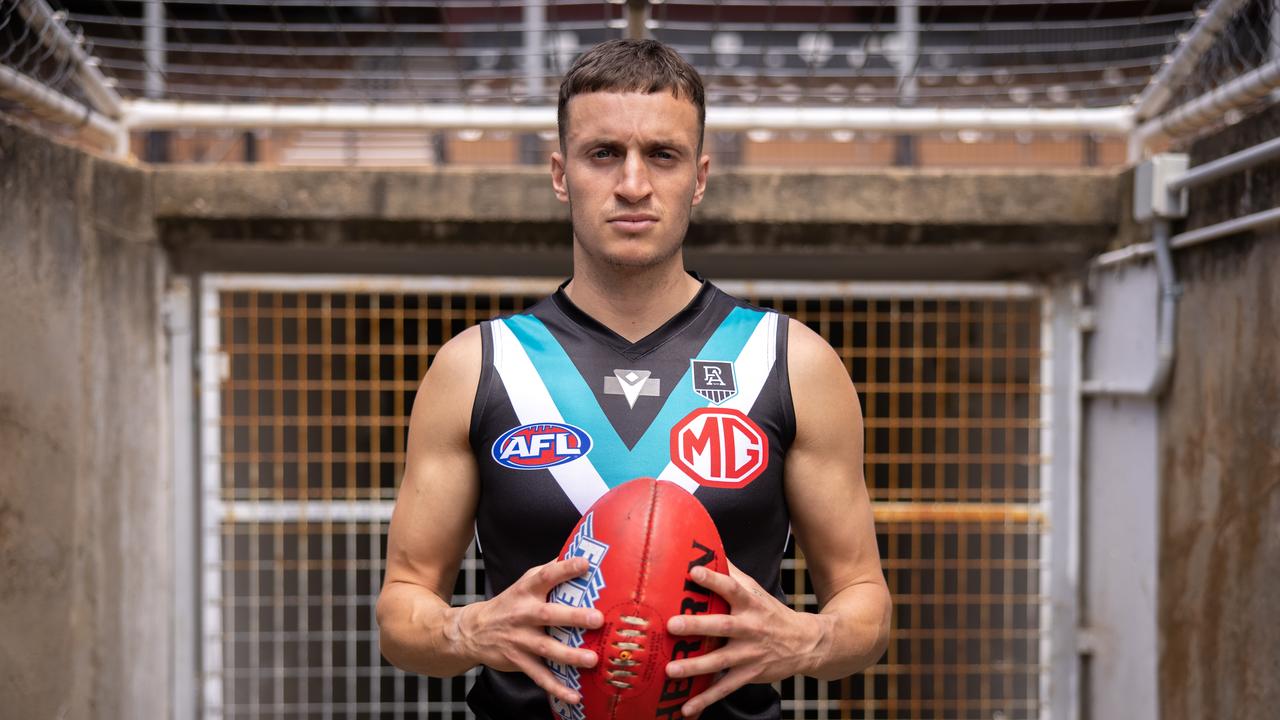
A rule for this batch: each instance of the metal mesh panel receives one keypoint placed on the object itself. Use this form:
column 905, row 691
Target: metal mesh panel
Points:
column 313, row 404
column 1009, row 53
column 951, row 395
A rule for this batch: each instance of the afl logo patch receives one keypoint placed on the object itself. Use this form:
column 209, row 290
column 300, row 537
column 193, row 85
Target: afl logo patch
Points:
column 541, row 445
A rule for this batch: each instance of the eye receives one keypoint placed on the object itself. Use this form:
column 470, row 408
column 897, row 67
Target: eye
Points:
column 601, row 153
column 664, row 155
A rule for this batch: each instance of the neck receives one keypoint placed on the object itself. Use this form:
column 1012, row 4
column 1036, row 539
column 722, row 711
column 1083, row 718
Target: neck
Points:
column 629, row 301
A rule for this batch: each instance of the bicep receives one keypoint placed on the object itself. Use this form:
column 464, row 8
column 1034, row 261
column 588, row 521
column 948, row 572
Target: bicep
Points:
column 434, row 516
column 830, row 509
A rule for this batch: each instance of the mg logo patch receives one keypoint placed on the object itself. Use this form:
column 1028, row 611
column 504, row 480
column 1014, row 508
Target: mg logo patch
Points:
column 714, row 380
column 719, row 447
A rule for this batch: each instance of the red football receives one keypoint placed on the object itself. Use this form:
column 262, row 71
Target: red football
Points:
column 641, row 539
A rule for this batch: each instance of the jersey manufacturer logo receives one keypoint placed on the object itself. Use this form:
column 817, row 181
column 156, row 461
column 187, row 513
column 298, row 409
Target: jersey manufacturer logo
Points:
column 714, row 380
column 719, row 447
column 631, row 384
column 541, row 445
column 577, row 592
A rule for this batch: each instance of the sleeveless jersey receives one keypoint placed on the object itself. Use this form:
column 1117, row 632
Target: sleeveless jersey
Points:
column 567, row 409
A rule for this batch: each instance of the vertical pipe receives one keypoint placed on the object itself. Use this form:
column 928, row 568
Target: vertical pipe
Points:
column 533, row 67
column 155, row 49
column 908, row 57
column 535, row 26
column 155, row 54
column 1170, row 290
column 637, row 19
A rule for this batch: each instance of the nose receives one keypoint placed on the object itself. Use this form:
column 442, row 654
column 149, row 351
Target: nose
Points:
column 634, row 185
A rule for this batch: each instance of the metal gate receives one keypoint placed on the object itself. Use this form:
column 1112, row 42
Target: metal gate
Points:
column 306, row 387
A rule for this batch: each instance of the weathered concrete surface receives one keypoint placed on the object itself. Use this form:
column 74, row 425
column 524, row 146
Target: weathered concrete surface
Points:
column 886, row 197
column 1220, row 456
column 957, row 225
column 84, row 526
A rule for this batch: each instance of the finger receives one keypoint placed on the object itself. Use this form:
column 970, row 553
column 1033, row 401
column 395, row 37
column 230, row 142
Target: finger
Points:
column 723, row 585
column 715, row 625
column 713, row 662
column 552, row 649
column 737, row 574
column 542, row 676
column 544, row 577
column 719, row 689
column 557, row 615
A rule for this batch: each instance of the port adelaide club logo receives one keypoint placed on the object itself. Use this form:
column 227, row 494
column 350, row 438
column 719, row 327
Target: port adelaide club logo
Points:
column 537, row 446
column 714, row 380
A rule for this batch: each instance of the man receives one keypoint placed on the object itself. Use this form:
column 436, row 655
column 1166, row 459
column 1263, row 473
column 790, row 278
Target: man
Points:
column 524, row 421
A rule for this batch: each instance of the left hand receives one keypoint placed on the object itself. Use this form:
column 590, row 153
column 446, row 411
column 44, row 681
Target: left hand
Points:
column 766, row 640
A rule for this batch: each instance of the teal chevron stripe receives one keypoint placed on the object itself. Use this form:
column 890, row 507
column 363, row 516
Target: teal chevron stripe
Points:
column 577, row 403
column 724, row 344
column 572, row 396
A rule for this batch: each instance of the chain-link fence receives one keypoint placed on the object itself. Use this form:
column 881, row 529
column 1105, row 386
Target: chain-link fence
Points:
column 855, row 54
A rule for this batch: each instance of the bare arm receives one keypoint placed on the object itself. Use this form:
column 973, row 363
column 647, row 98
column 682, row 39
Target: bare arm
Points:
column 832, row 520
column 831, row 512
column 430, row 529
column 433, row 518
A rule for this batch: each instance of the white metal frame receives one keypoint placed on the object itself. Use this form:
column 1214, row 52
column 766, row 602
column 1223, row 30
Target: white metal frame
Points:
column 178, row 332
column 211, row 511
column 157, row 114
column 1055, row 683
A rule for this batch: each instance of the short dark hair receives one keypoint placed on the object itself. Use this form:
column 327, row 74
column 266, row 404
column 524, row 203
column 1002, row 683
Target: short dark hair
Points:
column 644, row 66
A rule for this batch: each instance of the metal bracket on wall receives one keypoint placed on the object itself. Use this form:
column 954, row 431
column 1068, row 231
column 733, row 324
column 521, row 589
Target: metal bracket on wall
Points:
column 1086, row 641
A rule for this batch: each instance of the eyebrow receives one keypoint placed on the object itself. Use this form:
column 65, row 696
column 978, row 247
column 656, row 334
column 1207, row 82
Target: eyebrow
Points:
column 659, row 143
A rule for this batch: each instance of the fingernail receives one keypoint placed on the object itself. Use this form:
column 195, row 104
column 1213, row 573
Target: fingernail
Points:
column 574, row 699
column 591, row 659
column 673, row 670
column 688, row 710
column 676, row 625
column 596, row 618
column 697, row 572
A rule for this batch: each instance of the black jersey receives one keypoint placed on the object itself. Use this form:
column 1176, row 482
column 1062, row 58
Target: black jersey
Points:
column 567, row 409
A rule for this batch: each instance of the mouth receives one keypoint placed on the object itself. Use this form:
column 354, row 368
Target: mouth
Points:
column 633, row 223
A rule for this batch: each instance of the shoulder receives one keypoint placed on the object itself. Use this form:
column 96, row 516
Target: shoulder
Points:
column 452, row 377
column 809, row 355
column 822, row 393
column 460, row 356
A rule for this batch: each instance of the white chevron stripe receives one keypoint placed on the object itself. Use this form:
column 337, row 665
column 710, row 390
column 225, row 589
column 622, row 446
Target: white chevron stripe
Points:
column 579, row 479
column 751, row 368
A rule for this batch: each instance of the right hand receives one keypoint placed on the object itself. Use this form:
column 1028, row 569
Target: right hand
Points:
column 509, row 631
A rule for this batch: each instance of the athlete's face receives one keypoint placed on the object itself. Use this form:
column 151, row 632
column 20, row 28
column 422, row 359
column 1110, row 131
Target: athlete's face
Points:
column 631, row 172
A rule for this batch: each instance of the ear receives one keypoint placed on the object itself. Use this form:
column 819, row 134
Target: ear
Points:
column 704, row 165
column 557, row 177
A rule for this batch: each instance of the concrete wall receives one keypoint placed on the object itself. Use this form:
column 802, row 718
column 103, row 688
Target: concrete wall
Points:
column 1220, row 456
column 84, row 501
column 888, row 224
